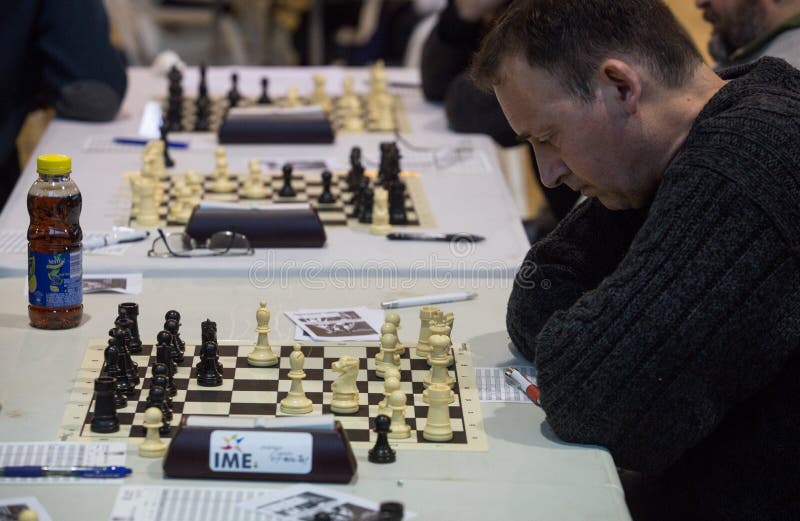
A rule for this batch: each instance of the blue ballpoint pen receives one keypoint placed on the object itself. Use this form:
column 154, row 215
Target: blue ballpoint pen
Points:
column 32, row 471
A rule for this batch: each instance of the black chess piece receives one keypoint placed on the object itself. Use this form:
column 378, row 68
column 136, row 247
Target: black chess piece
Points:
column 164, row 351
column 104, row 419
column 202, row 86
column 208, row 331
column 326, row 197
column 397, row 203
column 112, row 368
column 357, row 201
column 131, row 310
column 127, row 364
column 322, row 516
column 207, row 373
column 171, row 328
column 161, row 369
column 382, row 452
column 286, row 189
column 391, row 511
column 168, row 162
column 264, row 99
column 174, row 315
column 174, row 115
column 356, row 172
column 157, row 397
column 160, row 380
column 367, row 201
column 233, row 94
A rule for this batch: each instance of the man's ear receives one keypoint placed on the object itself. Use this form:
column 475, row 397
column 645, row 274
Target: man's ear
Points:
column 624, row 83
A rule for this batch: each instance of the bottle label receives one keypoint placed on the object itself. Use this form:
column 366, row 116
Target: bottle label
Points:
column 54, row 279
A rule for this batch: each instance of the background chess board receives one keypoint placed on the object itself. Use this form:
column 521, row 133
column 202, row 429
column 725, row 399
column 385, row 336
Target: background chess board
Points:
column 307, row 187
column 219, row 107
column 257, row 391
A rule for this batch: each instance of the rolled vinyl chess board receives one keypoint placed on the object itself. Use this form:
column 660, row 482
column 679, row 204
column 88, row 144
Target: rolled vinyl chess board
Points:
column 307, row 186
column 219, row 106
column 257, row 391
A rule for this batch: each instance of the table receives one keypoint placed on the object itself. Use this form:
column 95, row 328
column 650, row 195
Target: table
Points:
column 526, row 474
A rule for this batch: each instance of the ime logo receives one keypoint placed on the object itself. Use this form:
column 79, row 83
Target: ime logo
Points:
column 232, row 456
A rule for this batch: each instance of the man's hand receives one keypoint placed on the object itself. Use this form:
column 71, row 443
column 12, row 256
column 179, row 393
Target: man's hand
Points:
column 475, row 10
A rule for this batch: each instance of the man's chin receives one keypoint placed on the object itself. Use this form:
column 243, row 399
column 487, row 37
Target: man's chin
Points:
column 718, row 49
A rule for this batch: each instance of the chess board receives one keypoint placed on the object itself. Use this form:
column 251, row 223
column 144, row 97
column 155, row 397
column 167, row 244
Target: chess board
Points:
column 257, row 391
column 307, row 187
column 219, row 107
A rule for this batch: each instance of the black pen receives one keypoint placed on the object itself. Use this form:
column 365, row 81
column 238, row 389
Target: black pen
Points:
column 432, row 236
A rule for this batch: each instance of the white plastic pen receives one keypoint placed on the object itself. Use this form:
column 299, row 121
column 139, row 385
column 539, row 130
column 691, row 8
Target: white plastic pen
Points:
column 427, row 300
column 114, row 238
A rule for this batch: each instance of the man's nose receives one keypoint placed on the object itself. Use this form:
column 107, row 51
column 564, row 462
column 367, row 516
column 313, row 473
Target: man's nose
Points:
column 551, row 168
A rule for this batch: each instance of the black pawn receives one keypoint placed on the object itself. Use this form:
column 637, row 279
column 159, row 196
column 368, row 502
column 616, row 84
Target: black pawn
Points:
column 157, row 397
column 164, row 351
column 105, row 418
column 174, row 315
column 168, row 162
column 322, row 516
column 326, row 197
column 264, row 99
column 131, row 310
column 112, row 368
column 286, row 189
column 161, row 381
column 367, row 201
column 208, row 374
column 397, row 203
column 233, row 94
column 160, row 369
column 202, row 86
column 356, row 172
column 382, row 452
column 171, row 328
column 391, row 511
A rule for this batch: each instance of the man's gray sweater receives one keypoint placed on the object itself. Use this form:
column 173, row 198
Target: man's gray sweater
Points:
column 671, row 334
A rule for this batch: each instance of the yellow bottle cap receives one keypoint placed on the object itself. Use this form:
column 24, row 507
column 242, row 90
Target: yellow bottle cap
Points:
column 53, row 164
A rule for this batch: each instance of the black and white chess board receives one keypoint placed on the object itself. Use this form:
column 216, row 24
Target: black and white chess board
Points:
column 257, row 391
column 307, row 186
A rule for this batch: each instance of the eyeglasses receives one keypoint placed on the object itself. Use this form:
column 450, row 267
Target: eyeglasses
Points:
column 178, row 244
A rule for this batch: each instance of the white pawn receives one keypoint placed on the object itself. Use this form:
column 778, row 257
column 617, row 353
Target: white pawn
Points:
column 398, row 429
column 437, row 424
column 254, row 186
column 152, row 446
column 391, row 382
column 27, row 514
column 195, row 183
column 319, row 96
column 380, row 213
column 386, row 356
column 292, row 99
column 345, row 392
column 262, row 354
column 390, row 329
column 296, row 402
column 440, row 327
column 394, row 318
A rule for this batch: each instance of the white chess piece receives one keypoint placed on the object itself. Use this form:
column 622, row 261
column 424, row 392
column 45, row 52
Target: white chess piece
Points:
column 437, row 423
column 390, row 329
column 148, row 206
column 318, row 95
column 427, row 314
column 386, row 356
column 195, row 183
column 296, row 402
column 28, row 514
column 398, row 429
column 182, row 208
column 262, row 354
column 254, row 186
column 438, row 361
column 391, row 382
column 152, row 446
column 345, row 392
column 292, row 99
column 394, row 318
column 380, row 213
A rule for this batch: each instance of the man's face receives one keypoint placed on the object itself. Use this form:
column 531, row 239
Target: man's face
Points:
column 736, row 23
column 589, row 147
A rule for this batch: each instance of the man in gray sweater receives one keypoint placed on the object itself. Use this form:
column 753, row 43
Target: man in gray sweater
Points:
column 662, row 313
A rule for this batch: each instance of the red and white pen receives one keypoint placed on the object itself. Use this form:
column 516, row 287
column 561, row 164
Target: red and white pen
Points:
column 518, row 380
